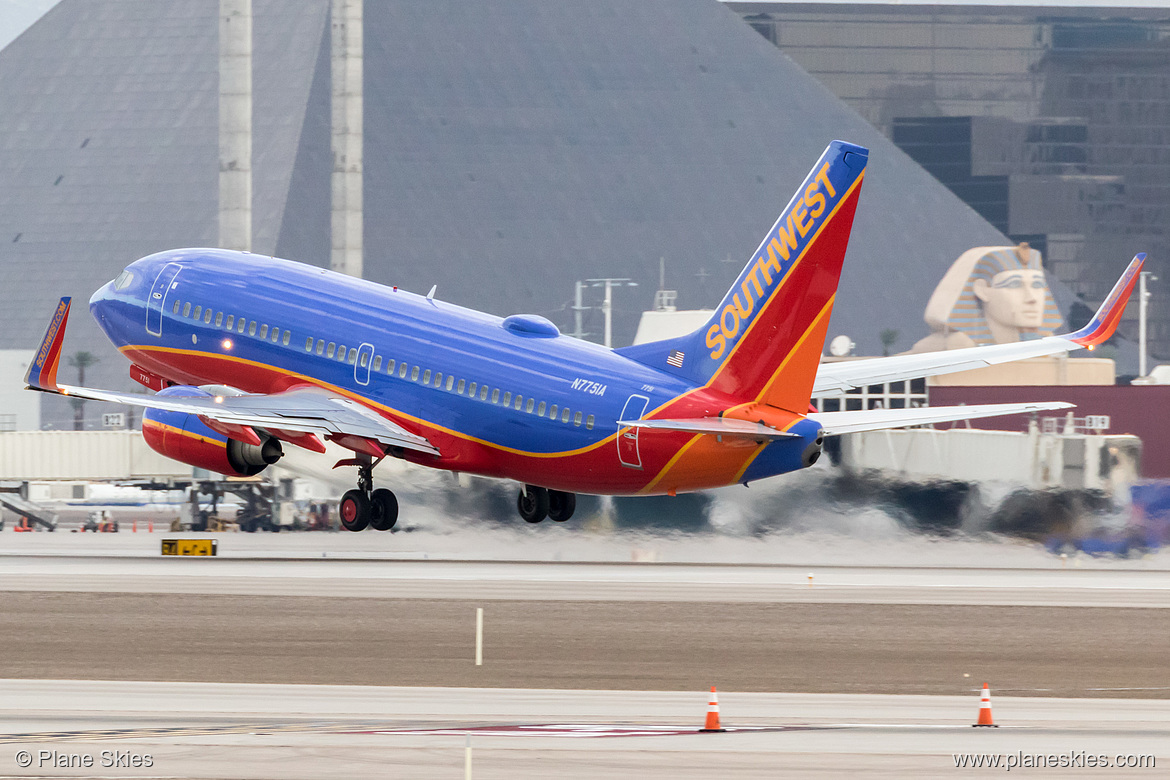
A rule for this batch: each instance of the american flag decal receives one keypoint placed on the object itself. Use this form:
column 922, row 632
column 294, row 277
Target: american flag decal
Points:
column 675, row 359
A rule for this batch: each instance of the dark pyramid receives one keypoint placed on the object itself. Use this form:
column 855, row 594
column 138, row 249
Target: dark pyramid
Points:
column 511, row 148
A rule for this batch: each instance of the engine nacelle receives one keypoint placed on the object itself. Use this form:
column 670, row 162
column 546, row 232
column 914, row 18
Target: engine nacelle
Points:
column 185, row 438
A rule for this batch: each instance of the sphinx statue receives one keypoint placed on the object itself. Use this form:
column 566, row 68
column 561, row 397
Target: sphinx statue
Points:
column 990, row 295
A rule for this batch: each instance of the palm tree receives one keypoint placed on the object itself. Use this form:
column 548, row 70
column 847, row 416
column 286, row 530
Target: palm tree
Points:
column 80, row 361
column 888, row 337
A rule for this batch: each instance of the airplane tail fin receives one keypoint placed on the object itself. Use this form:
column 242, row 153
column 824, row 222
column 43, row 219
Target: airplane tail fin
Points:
column 763, row 344
column 42, row 372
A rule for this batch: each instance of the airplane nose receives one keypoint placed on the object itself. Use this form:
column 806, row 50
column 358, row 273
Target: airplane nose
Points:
column 98, row 300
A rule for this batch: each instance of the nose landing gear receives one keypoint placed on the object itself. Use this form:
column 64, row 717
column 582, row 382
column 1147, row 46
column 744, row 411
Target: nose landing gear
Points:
column 377, row 509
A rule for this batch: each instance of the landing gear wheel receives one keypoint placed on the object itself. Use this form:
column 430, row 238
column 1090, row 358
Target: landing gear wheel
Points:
column 354, row 510
column 533, row 503
column 561, row 505
column 383, row 510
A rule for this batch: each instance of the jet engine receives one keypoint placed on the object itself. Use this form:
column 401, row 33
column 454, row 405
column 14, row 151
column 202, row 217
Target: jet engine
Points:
column 187, row 439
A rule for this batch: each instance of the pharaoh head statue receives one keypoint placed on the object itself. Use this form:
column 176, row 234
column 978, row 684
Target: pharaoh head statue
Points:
column 992, row 295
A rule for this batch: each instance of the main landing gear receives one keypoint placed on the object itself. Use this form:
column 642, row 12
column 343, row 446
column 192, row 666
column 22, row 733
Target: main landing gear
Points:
column 537, row 503
column 377, row 509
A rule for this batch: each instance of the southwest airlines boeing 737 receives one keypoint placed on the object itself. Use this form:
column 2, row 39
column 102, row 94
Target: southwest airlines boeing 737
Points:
column 249, row 354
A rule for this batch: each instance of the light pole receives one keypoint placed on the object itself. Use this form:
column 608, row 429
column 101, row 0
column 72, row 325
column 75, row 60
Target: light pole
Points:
column 607, row 304
column 1143, row 303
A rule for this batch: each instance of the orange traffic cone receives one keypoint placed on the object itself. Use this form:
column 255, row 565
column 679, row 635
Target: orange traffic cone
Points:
column 712, row 724
column 985, row 709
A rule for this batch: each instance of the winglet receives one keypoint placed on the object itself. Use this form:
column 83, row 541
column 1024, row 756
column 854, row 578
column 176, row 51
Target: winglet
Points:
column 42, row 374
column 1104, row 322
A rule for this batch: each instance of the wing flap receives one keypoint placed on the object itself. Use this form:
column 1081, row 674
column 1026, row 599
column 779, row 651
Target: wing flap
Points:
column 879, row 419
column 301, row 411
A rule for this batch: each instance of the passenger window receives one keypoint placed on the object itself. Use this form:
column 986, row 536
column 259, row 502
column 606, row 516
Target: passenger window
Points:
column 198, row 312
column 528, row 408
column 540, row 409
column 177, row 305
column 276, row 334
column 308, row 344
column 462, row 385
column 438, row 379
column 187, row 309
column 378, row 363
column 352, row 356
column 507, row 399
column 219, row 319
column 450, row 381
column 496, row 396
column 341, row 353
column 519, row 402
column 287, row 337
column 471, row 389
column 331, row 350
column 427, row 377
column 390, row 366
column 207, row 317
column 402, row 371
column 252, row 328
column 320, row 346
column 577, row 419
column 240, row 325
column 365, row 359
column 414, row 374
column 483, row 393
column 552, row 413
column 231, row 322
column 589, row 423
column 263, row 331
column 565, row 415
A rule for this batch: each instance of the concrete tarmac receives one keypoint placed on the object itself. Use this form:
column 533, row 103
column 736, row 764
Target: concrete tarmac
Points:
column 346, row 576
column 870, row 648
column 288, row 731
column 578, row 652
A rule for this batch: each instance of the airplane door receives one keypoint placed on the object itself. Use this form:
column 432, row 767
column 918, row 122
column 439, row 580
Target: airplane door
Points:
column 627, row 440
column 163, row 284
column 361, row 369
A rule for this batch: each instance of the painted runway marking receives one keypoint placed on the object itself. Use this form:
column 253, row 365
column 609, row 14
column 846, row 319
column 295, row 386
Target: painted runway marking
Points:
column 587, row 730
column 506, row 730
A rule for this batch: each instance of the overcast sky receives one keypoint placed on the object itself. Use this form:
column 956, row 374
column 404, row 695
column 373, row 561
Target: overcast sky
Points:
column 16, row 16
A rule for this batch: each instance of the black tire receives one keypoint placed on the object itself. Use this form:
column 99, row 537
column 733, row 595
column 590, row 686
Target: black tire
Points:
column 354, row 511
column 561, row 505
column 533, row 503
column 384, row 510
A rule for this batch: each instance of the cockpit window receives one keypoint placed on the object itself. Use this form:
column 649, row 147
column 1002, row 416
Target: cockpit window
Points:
column 123, row 281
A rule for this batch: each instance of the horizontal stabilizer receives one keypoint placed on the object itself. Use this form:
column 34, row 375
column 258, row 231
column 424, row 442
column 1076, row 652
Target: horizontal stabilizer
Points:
column 719, row 426
column 835, row 379
column 880, row 419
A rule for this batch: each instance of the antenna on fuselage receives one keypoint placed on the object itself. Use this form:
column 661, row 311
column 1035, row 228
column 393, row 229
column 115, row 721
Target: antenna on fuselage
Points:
column 431, row 294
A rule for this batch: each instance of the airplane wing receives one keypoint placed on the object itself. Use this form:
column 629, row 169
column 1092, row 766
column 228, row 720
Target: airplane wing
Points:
column 833, row 423
column 834, row 379
column 309, row 410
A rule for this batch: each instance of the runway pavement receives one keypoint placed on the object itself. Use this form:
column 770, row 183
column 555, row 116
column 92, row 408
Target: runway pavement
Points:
column 260, row 731
column 591, row 642
column 345, row 575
